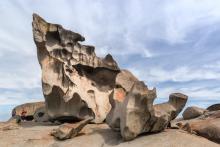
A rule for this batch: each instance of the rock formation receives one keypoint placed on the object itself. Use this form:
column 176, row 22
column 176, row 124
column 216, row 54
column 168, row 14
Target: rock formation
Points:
column 30, row 111
column 135, row 114
column 193, row 112
column 40, row 115
column 214, row 107
column 67, row 131
column 78, row 85
column 207, row 125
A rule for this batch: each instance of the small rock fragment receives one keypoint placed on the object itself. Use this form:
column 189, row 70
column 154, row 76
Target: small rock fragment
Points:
column 67, row 131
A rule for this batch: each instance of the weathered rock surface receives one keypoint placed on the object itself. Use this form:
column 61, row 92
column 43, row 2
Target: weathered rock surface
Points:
column 76, row 83
column 28, row 110
column 92, row 135
column 41, row 115
column 214, row 107
column 193, row 112
column 67, row 131
column 168, row 111
column 206, row 125
column 134, row 113
column 209, row 128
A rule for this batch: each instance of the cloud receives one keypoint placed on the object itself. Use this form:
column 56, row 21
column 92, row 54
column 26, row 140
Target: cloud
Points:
column 10, row 96
column 180, row 74
column 213, row 66
column 184, row 16
column 199, row 93
column 16, row 81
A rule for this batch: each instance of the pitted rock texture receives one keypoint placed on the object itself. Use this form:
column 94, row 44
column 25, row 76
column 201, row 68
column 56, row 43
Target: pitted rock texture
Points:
column 193, row 112
column 76, row 83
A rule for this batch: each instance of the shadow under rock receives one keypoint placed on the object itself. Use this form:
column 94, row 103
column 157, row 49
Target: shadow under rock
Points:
column 110, row 136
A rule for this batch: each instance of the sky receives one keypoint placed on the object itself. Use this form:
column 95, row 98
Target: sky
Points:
column 172, row 45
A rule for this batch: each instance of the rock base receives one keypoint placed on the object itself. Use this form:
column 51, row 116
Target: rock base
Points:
column 94, row 135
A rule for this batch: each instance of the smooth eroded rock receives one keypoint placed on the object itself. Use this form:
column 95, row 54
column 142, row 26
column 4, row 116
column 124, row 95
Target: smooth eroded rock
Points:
column 206, row 125
column 214, row 107
column 193, row 112
column 26, row 111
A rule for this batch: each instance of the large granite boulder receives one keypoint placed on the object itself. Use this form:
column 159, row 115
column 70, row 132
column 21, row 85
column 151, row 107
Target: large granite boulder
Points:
column 78, row 85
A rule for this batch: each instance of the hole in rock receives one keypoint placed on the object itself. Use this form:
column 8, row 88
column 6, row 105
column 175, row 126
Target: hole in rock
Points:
column 40, row 114
column 52, row 38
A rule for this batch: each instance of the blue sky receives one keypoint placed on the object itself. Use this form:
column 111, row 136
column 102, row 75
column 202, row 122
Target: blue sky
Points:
column 172, row 45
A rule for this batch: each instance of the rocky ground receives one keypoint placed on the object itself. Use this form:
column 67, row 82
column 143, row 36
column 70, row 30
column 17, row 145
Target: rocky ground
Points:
column 31, row 134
